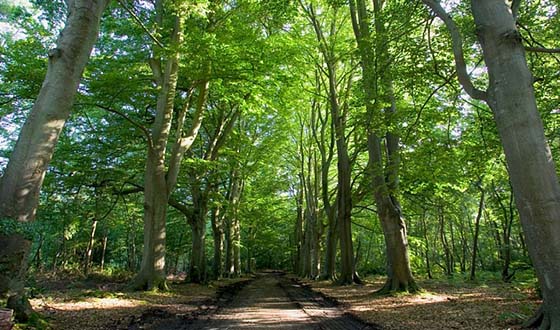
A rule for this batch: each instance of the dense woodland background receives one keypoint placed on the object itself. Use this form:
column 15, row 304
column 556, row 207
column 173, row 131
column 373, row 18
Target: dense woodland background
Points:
column 279, row 89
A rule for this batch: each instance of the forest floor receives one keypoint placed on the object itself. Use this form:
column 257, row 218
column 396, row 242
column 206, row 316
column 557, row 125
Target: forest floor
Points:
column 277, row 301
column 442, row 304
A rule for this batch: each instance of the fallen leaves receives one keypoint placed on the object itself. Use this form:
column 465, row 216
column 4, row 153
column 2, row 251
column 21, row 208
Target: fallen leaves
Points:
column 490, row 306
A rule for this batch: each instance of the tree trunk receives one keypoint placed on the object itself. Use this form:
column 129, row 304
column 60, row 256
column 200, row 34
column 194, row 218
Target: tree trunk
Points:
column 23, row 178
column 38, row 259
column 298, row 231
column 399, row 275
column 532, row 171
column 233, row 251
column 476, row 233
column 229, row 268
column 157, row 184
column 236, row 248
column 152, row 269
column 89, row 248
column 218, row 234
column 344, row 170
column 197, row 269
column 104, row 249
column 331, row 246
column 444, row 242
column 344, row 219
column 427, row 245
column 385, row 179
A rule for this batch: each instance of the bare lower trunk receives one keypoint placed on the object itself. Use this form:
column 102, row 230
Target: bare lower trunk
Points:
column 344, row 199
column 152, row 269
column 218, row 234
column 298, row 232
column 476, row 233
column 399, row 275
column 104, row 250
column 23, row 178
column 330, row 249
column 229, row 268
column 197, row 269
column 89, row 248
column 236, row 248
column 13, row 262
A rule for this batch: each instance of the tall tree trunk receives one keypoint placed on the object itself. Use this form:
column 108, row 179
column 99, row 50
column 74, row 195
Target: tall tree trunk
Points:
column 532, row 171
column 338, row 113
column 104, row 249
column 23, row 178
column 229, row 270
column 236, row 247
column 38, row 259
column 476, row 233
column 445, row 243
column 218, row 233
column 197, row 269
column 152, row 269
column 344, row 203
column 385, row 179
column 427, row 245
column 331, row 245
column 159, row 183
column 298, row 230
column 233, row 234
column 89, row 248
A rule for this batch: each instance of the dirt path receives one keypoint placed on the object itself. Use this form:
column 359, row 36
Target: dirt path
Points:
column 271, row 301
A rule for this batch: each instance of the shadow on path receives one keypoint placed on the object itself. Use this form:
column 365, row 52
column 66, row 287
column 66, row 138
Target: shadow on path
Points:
column 271, row 301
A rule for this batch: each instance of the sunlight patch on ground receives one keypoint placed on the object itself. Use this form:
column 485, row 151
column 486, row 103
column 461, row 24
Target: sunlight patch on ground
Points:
column 89, row 303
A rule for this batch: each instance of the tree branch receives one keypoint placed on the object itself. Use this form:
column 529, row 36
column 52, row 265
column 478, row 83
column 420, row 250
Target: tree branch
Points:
column 125, row 117
column 139, row 21
column 515, row 4
column 458, row 54
column 542, row 50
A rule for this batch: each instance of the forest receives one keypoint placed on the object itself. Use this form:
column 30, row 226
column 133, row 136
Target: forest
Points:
column 392, row 156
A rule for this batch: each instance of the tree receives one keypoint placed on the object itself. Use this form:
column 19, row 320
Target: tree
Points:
column 339, row 115
column 23, row 178
column 510, row 96
column 159, row 181
column 378, row 89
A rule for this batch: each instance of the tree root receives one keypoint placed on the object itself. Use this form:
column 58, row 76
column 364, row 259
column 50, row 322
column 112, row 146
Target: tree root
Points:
column 393, row 285
column 141, row 283
column 21, row 306
column 541, row 320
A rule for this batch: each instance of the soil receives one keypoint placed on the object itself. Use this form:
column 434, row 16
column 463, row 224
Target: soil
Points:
column 273, row 300
column 489, row 305
column 270, row 301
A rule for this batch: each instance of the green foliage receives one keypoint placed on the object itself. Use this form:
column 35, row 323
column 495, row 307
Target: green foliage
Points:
column 265, row 64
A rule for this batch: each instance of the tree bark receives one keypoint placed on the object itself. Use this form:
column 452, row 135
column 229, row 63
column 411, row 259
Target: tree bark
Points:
column 532, row 170
column 23, row 178
column 104, row 249
column 197, row 268
column 89, row 248
column 217, row 221
column 298, row 230
column 156, row 193
column 385, row 179
column 476, row 233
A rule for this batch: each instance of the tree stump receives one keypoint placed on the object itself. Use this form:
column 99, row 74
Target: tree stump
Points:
column 6, row 319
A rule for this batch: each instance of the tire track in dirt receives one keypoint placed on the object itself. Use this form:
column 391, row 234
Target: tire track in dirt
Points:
column 273, row 301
